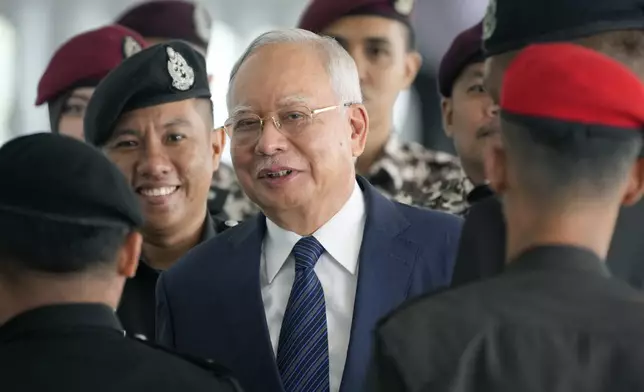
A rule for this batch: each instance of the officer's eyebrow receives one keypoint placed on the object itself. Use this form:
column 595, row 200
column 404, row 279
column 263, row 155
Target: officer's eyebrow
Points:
column 80, row 96
column 177, row 122
column 377, row 41
column 125, row 132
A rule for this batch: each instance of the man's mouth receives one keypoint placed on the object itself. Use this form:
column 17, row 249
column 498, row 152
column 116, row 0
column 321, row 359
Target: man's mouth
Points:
column 281, row 173
column 483, row 133
column 157, row 192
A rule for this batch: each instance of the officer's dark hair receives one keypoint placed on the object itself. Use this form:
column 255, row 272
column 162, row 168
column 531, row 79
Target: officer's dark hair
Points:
column 569, row 164
column 31, row 243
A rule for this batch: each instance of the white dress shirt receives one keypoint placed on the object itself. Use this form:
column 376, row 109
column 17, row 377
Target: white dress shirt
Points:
column 337, row 270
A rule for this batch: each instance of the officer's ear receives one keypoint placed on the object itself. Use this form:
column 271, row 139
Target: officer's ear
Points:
column 413, row 62
column 635, row 187
column 128, row 255
column 218, row 142
column 447, row 115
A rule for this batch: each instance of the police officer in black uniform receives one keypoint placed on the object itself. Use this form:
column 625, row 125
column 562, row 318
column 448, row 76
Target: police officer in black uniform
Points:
column 64, row 259
column 152, row 116
column 614, row 28
column 554, row 319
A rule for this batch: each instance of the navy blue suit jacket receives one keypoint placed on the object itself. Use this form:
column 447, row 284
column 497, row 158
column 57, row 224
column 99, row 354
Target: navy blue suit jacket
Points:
column 210, row 304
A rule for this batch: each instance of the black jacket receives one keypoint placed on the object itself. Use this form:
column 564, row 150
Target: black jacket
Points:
column 82, row 347
column 481, row 252
column 137, row 308
column 554, row 320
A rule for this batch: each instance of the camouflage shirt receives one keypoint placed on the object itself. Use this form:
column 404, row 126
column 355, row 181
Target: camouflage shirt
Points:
column 411, row 174
column 226, row 199
column 406, row 172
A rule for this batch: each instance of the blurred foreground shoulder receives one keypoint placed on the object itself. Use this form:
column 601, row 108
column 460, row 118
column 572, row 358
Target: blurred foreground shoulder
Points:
column 181, row 372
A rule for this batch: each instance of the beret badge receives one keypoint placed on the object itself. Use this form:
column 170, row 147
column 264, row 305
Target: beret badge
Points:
column 182, row 74
column 130, row 47
column 404, row 7
column 489, row 22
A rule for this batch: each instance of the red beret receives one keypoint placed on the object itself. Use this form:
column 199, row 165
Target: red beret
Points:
column 86, row 59
column 170, row 19
column 467, row 48
column 569, row 83
column 321, row 13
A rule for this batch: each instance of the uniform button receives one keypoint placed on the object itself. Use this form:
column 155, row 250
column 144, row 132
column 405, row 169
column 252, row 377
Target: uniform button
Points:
column 140, row 337
column 212, row 195
column 231, row 223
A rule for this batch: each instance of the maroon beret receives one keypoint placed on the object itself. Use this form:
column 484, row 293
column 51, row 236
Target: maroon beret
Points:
column 467, row 48
column 86, row 59
column 170, row 19
column 321, row 13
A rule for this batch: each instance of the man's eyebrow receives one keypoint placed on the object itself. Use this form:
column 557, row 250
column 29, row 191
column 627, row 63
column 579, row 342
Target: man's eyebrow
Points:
column 240, row 109
column 177, row 121
column 377, row 41
column 79, row 96
column 124, row 132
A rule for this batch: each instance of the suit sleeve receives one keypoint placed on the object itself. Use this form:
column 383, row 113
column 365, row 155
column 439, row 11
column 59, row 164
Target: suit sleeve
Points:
column 164, row 325
column 383, row 375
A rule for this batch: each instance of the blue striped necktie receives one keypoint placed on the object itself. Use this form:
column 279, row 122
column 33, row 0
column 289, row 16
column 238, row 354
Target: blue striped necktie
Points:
column 303, row 349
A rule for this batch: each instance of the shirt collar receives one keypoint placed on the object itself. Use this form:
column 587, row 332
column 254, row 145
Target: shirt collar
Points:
column 59, row 317
column 341, row 237
column 558, row 258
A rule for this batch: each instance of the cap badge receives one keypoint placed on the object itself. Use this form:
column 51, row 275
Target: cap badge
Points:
column 203, row 23
column 404, row 7
column 183, row 76
column 130, row 47
column 489, row 22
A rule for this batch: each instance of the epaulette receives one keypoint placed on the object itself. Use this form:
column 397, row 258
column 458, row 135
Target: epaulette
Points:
column 224, row 224
column 219, row 371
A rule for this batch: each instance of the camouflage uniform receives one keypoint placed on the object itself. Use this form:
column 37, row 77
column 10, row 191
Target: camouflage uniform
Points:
column 226, row 199
column 411, row 174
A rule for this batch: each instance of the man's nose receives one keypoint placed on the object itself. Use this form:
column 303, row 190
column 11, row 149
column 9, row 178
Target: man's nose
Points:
column 154, row 161
column 271, row 140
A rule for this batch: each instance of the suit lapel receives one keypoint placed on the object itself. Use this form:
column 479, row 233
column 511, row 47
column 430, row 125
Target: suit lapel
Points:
column 251, row 346
column 385, row 266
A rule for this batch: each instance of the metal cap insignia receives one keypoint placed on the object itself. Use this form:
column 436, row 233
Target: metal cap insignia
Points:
column 203, row 23
column 183, row 76
column 404, row 7
column 489, row 22
column 130, row 47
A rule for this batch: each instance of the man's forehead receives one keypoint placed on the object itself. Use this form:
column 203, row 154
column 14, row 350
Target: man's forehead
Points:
column 363, row 27
column 474, row 70
column 159, row 112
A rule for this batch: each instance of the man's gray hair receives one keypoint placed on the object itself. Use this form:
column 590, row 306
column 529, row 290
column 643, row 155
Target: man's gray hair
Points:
column 340, row 67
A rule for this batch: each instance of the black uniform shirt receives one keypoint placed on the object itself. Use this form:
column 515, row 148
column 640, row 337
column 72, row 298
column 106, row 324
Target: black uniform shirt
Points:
column 137, row 308
column 553, row 321
column 82, row 347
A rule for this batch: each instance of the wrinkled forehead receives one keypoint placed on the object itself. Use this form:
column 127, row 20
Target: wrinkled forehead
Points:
column 280, row 73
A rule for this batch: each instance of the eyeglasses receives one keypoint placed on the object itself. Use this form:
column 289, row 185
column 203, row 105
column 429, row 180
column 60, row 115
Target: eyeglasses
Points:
column 246, row 128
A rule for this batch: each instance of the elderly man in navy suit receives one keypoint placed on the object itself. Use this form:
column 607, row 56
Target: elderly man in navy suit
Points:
column 288, row 300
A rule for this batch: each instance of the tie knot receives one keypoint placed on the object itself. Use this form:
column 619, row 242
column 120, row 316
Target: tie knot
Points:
column 307, row 251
